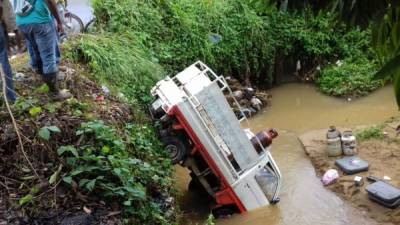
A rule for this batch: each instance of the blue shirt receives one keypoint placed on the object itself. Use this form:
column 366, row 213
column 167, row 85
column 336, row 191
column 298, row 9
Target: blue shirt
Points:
column 40, row 14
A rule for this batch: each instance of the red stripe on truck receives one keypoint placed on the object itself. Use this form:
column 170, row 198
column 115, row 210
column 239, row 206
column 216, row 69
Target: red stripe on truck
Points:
column 225, row 197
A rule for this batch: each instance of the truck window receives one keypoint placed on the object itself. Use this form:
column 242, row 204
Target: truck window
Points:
column 268, row 181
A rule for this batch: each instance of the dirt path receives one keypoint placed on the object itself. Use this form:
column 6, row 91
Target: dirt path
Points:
column 383, row 157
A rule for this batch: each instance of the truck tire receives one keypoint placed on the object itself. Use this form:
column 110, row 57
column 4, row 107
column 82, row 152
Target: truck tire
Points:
column 176, row 148
column 222, row 212
column 194, row 185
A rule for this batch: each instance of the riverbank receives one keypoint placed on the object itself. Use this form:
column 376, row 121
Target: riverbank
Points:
column 94, row 158
column 380, row 147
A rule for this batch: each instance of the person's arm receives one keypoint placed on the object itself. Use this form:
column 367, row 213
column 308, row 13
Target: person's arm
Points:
column 53, row 9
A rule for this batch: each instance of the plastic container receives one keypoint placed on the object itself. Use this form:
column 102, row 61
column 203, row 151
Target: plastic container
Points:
column 334, row 144
column 384, row 194
column 349, row 144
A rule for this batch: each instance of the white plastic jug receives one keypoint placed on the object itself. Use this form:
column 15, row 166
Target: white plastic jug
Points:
column 349, row 143
column 334, row 144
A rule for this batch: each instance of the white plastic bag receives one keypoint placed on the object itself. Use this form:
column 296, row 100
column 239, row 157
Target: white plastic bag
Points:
column 330, row 177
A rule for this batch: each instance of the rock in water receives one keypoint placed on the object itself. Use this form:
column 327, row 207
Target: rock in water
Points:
column 256, row 103
column 238, row 95
column 249, row 92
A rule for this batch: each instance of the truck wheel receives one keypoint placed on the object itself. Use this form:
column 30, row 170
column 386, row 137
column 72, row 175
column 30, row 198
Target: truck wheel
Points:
column 222, row 212
column 193, row 185
column 176, row 148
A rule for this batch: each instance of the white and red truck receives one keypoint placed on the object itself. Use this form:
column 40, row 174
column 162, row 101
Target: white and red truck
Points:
column 201, row 132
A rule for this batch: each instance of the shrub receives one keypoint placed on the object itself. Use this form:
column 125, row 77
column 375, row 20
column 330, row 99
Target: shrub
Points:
column 231, row 36
column 349, row 79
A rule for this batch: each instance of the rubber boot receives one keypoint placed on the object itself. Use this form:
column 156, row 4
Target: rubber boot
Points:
column 51, row 81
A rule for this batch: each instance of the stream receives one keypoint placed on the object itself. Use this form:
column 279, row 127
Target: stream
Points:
column 297, row 108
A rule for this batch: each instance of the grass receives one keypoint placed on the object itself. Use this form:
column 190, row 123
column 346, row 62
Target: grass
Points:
column 375, row 132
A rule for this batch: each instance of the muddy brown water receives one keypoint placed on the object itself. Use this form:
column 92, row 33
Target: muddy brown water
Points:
column 297, row 108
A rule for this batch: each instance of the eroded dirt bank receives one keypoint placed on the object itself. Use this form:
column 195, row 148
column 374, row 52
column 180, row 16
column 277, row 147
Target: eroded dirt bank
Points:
column 383, row 156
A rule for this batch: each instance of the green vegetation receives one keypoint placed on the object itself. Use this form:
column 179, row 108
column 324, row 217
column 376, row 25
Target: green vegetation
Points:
column 382, row 16
column 104, row 150
column 127, row 167
column 97, row 152
column 210, row 220
column 374, row 132
column 138, row 42
column 117, row 60
column 232, row 36
column 386, row 42
column 122, row 163
column 351, row 78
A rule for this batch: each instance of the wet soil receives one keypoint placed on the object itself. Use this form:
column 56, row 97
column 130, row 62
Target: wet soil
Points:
column 383, row 157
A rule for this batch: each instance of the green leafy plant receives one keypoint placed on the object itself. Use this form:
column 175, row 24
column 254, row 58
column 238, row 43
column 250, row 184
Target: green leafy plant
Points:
column 210, row 220
column 138, row 39
column 43, row 89
column 45, row 132
column 349, row 79
column 35, row 111
column 27, row 199
column 386, row 43
column 114, row 165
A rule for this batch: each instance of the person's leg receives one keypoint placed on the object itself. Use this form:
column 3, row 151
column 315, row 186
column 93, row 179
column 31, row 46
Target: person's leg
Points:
column 35, row 61
column 6, row 67
column 46, row 39
column 58, row 54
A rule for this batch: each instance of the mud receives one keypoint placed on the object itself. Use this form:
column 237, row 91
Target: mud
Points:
column 383, row 157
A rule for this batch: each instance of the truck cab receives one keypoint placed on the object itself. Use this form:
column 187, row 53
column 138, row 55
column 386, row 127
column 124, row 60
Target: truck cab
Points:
column 202, row 133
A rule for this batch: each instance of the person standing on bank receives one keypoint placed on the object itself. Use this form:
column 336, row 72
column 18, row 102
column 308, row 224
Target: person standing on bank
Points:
column 35, row 22
column 10, row 24
column 4, row 56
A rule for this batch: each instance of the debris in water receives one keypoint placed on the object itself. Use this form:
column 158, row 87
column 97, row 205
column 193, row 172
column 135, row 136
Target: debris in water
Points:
column 256, row 103
column 245, row 95
column 238, row 95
